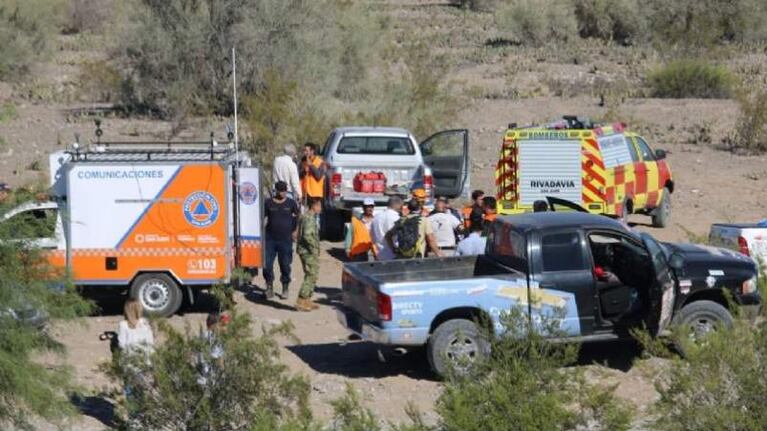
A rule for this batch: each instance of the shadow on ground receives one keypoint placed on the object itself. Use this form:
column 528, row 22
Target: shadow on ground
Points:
column 97, row 407
column 618, row 355
column 110, row 302
column 363, row 360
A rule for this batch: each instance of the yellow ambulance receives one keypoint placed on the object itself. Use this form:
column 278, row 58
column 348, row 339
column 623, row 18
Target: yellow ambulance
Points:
column 605, row 169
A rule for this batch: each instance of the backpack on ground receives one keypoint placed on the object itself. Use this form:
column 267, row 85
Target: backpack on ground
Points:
column 408, row 231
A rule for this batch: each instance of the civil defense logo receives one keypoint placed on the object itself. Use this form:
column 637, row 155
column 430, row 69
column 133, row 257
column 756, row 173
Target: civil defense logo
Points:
column 248, row 193
column 201, row 209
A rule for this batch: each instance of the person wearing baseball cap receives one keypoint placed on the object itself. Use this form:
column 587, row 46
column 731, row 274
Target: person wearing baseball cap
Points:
column 281, row 214
column 361, row 242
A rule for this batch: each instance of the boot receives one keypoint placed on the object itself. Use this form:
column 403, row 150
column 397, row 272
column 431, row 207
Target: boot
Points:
column 269, row 290
column 285, row 291
column 303, row 305
column 311, row 304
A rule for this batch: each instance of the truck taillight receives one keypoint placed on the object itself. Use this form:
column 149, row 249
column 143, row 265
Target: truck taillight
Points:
column 335, row 184
column 428, row 185
column 743, row 246
column 384, row 307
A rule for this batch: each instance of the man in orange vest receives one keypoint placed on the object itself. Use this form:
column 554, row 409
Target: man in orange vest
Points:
column 313, row 170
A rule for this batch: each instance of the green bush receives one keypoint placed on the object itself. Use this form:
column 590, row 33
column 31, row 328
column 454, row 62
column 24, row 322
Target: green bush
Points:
column 691, row 78
column 175, row 54
column 248, row 388
column 610, row 20
column 536, row 23
column 525, row 386
column 30, row 389
column 27, row 28
column 720, row 385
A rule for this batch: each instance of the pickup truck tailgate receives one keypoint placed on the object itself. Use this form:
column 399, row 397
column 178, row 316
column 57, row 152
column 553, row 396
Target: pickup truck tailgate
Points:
column 360, row 295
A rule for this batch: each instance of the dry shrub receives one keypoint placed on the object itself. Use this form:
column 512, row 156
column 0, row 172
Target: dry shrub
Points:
column 610, row 20
column 27, row 28
column 87, row 15
column 478, row 5
column 537, row 23
column 751, row 132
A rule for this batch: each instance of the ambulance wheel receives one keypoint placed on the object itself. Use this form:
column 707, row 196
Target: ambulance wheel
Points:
column 455, row 346
column 158, row 293
column 662, row 214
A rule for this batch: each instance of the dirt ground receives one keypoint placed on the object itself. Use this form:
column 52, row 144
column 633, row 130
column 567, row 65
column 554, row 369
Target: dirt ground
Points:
column 712, row 185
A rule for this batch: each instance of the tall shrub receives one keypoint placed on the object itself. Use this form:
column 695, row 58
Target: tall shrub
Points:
column 691, row 78
column 30, row 287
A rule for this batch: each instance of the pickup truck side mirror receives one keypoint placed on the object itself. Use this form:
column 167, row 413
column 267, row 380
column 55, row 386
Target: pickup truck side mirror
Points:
column 660, row 154
column 676, row 261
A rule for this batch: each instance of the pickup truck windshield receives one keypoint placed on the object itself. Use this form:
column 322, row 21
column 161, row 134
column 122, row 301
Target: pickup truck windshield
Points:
column 375, row 145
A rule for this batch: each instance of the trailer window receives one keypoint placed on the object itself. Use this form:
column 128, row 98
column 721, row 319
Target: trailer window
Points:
column 375, row 146
column 562, row 252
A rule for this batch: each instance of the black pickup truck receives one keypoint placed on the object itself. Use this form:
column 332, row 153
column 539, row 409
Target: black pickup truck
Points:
column 606, row 278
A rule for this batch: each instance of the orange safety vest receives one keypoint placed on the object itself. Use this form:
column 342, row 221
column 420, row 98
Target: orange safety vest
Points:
column 312, row 187
column 361, row 241
column 467, row 216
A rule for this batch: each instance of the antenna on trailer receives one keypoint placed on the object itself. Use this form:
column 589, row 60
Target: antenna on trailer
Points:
column 234, row 91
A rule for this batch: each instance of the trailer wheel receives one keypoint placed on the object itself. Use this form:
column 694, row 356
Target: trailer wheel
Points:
column 158, row 293
column 661, row 215
column 701, row 318
column 455, row 346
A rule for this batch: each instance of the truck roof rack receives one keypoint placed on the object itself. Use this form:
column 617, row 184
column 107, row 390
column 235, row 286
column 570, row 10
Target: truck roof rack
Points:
column 148, row 151
column 153, row 151
column 574, row 122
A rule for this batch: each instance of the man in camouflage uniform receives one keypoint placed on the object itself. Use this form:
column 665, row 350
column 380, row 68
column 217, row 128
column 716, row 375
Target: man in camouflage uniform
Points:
column 308, row 249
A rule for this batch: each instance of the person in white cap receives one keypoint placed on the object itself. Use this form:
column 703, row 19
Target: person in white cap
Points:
column 368, row 208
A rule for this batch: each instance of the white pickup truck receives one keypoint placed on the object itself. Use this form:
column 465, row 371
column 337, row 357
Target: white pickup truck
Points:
column 748, row 238
column 439, row 164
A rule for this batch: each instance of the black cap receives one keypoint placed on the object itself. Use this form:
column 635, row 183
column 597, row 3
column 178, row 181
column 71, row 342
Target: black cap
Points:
column 281, row 186
column 5, row 187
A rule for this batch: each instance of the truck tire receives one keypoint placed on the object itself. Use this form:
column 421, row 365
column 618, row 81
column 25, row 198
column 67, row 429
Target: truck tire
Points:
column 455, row 345
column 662, row 214
column 158, row 293
column 702, row 317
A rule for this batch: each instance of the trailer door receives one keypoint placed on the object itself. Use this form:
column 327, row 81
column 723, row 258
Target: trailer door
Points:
column 249, row 239
column 550, row 168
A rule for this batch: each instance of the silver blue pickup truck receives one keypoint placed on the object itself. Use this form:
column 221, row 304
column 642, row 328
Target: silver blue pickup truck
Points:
column 598, row 278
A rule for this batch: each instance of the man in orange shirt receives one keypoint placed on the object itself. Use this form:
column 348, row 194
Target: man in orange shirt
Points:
column 312, row 172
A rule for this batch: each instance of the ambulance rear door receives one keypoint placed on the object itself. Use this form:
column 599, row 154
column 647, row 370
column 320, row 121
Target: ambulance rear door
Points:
column 249, row 239
column 549, row 166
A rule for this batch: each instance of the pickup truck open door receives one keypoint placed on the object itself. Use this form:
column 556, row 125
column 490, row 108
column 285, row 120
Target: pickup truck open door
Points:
column 447, row 154
column 662, row 294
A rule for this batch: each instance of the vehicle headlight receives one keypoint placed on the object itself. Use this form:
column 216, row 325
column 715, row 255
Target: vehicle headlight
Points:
column 750, row 285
